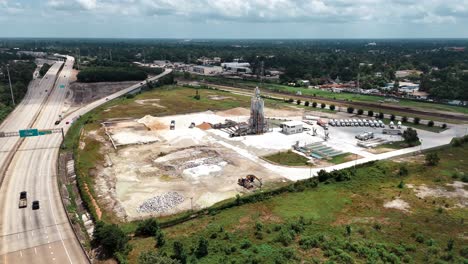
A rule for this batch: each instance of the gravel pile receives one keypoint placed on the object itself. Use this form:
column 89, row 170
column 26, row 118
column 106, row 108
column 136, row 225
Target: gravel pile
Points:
column 161, row 203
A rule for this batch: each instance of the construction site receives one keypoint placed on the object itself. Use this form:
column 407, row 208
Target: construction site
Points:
column 168, row 164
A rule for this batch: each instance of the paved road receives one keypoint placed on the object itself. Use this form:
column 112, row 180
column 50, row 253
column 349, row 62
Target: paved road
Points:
column 44, row 235
column 40, row 236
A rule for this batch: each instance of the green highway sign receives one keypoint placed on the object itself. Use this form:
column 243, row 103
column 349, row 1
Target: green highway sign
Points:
column 44, row 132
column 29, row 133
column 62, row 86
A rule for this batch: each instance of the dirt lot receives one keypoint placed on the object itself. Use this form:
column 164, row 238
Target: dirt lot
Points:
column 88, row 92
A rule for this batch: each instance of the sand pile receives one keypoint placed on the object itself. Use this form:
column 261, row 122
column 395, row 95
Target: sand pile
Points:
column 152, row 123
column 204, row 126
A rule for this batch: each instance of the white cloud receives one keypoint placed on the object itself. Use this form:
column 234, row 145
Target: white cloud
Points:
column 305, row 11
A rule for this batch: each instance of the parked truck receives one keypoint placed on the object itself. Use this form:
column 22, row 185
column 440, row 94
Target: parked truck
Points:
column 23, row 200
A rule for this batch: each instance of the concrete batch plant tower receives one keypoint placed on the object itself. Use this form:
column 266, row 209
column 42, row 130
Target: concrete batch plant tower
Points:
column 257, row 122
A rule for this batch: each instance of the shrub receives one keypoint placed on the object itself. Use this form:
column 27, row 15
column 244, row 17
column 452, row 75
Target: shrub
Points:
column 381, row 115
column 202, row 248
column 307, row 103
column 350, row 110
column 259, row 226
column 401, row 185
column 285, row 237
column 197, row 95
column 360, row 112
column 148, row 227
column 432, row 159
column 298, row 102
column 314, row 104
column 416, row 120
column 160, row 239
column 404, row 119
column 403, row 171
column 290, row 100
column 322, row 105
column 151, row 257
column 332, row 107
column 419, row 238
column 430, row 123
column 179, row 252
column 370, row 113
column 392, row 117
column 444, row 126
column 450, row 244
column 245, row 244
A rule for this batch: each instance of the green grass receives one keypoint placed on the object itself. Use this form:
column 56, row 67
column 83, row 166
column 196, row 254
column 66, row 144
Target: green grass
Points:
column 288, row 158
column 397, row 145
column 327, row 210
column 342, row 158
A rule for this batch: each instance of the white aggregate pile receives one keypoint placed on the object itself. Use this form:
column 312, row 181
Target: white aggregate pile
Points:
column 161, row 203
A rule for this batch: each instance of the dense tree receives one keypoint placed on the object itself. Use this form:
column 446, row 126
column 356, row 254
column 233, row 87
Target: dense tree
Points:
column 108, row 74
column 148, row 227
column 410, row 136
column 179, row 252
column 110, row 238
column 350, row 110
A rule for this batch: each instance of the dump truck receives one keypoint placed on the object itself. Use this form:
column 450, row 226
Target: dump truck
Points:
column 23, row 200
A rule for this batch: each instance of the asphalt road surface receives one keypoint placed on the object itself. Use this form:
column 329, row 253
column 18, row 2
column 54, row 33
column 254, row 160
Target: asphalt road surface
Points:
column 43, row 235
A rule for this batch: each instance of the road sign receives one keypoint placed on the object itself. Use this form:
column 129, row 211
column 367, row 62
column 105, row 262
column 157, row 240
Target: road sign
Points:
column 44, row 132
column 29, row 133
column 62, row 86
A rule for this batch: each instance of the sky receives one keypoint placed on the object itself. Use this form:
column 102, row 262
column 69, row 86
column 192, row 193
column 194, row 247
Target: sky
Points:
column 234, row 18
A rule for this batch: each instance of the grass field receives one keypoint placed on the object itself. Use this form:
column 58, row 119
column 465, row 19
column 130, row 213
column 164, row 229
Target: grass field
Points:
column 343, row 96
column 288, row 158
column 345, row 157
column 343, row 222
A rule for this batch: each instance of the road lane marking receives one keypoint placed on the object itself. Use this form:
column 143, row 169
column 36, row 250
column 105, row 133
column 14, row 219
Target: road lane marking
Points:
column 21, row 253
column 35, row 251
column 53, row 213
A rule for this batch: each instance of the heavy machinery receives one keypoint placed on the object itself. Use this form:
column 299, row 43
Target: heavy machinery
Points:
column 248, row 181
column 172, row 127
column 23, row 200
column 192, row 125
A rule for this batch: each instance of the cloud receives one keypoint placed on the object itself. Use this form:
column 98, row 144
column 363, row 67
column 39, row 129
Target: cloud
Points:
column 278, row 11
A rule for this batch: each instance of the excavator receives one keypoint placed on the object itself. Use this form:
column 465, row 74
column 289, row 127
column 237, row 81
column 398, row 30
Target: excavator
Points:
column 248, row 181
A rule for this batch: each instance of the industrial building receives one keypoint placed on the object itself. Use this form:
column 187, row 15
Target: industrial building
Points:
column 207, row 70
column 292, row 127
column 237, row 67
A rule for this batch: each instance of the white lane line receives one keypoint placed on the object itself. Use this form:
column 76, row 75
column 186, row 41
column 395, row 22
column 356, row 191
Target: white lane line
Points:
column 21, row 253
column 32, row 233
column 35, row 251
column 48, row 183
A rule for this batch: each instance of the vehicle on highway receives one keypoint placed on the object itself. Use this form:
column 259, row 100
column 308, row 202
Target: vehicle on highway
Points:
column 371, row 123
column 399, row 125
column 23, row 200
column 57, row 122
column 391, row 125
column 35, row 205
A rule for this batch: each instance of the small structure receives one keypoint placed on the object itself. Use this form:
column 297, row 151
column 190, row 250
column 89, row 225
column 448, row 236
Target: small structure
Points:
column 292, row 127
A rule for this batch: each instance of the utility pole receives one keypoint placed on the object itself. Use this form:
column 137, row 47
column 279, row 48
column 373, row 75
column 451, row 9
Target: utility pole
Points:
column 11, row 88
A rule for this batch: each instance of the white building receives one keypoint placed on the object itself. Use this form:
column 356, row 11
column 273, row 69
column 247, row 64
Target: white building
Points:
column 207, row 70
column 237, row 67
column 292, row 127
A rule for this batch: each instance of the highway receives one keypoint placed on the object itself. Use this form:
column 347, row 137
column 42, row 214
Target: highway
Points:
column 44, row 235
